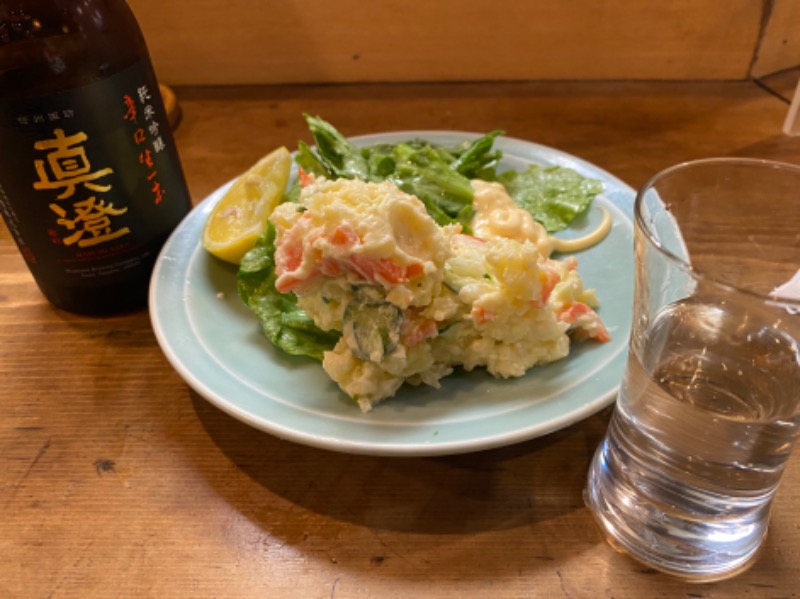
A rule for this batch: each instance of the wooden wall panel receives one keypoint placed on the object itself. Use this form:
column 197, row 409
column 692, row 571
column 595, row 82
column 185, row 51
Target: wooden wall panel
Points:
column 780, row 43
column 279, row 41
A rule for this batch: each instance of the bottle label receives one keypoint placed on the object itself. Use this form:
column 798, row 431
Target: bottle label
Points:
column 90, row 177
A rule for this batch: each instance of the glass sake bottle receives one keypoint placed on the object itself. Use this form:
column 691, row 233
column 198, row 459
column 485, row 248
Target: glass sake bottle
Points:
column 91, row 184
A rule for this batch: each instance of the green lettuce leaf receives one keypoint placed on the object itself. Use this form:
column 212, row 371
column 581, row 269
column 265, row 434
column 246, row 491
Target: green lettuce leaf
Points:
column 477, row 159
column 554, row 195
column 335, row 152
column 284, row 323
column 426, row 172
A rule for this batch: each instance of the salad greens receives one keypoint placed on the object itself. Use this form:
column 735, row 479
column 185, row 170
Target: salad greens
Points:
column 439, row 176
column 285, row 324
column 553, row 195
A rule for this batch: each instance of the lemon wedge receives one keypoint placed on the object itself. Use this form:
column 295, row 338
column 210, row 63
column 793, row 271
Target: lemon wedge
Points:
column 240, row 217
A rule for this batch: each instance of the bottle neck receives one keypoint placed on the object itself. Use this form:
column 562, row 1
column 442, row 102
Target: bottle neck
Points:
column 53, row 45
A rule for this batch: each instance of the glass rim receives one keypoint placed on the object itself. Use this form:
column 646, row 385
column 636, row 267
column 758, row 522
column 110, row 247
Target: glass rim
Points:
column 791, row 302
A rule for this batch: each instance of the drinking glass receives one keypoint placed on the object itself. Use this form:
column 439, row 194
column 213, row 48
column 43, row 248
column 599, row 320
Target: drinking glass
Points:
column 708, row 411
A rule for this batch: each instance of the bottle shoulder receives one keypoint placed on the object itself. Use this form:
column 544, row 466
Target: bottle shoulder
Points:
column 48, row 46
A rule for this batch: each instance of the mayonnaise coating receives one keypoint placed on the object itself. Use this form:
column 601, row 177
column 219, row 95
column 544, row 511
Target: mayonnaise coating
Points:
column 414, row 300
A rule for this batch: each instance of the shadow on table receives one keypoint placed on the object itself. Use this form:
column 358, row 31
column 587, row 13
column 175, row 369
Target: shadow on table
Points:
column 468, row 493
column 489, row 515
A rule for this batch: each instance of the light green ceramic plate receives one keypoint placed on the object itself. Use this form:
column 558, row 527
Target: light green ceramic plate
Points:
column 217, row 346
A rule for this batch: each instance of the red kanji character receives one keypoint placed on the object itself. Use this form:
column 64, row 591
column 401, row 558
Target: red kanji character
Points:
column 139, row 136
column 158, row 192
column 130, row 114
column 146, row 158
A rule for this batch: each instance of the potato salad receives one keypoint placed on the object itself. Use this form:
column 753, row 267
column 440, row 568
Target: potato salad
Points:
column 413, row 299
column 398, row 263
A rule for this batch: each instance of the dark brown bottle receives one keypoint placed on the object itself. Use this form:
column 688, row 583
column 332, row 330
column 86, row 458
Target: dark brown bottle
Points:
column 90, row 180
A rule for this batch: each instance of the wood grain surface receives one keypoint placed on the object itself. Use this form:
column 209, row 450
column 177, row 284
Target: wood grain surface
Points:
column 779, row 48
column 199, row 42
column 117, row 480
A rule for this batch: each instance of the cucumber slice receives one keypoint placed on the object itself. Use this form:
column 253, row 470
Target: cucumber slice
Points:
column 459, row 272
column 372, row 329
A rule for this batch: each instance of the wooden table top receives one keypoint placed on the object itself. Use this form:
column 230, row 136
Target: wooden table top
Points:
column 117, row 480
